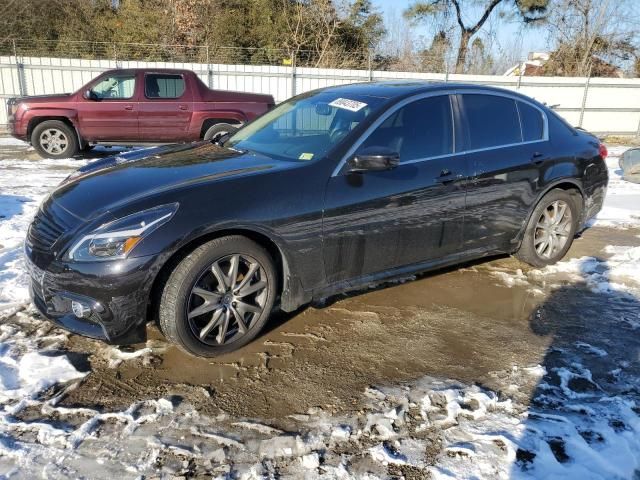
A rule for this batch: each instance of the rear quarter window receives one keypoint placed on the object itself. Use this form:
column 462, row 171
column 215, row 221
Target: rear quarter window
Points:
column 492, row 120
column 532, row 122
column 157, row 85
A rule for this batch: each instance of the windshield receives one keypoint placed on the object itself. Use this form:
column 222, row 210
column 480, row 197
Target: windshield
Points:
column 306, row 127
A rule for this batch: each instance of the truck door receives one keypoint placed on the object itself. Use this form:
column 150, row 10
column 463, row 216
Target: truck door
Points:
column 108, row 110
column 166, row 108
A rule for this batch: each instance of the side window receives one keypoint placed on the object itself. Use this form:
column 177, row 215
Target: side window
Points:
column 161, row 85
column 115, row 86
column 421, row 129
column 531, row 121
column 492, row 120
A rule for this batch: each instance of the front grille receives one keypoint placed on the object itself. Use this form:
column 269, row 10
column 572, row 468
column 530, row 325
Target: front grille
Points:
column 50, row 222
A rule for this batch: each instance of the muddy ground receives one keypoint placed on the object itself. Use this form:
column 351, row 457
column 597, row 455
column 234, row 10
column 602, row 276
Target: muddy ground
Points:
column 477, row 324
column 462, row 323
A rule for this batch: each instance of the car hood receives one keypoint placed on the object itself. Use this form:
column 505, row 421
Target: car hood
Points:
column 108, row 184
column 32, row 99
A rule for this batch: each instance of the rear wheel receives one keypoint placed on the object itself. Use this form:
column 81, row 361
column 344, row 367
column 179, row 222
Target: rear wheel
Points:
column 218, row 130
column 54, row 139
column 219, row 297
column 550, row 230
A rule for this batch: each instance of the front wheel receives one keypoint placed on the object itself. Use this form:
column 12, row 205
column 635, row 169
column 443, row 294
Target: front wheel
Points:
column 551, row 229
column 219, row 297
column 54, row 139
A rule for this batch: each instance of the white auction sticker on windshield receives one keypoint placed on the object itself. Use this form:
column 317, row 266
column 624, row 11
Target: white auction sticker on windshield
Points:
column 345, row 103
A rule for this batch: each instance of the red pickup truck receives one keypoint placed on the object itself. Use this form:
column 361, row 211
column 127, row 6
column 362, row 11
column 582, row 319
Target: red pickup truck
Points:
column 131, row 107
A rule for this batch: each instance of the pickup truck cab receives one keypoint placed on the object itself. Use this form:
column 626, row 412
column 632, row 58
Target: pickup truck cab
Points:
column 131, row 107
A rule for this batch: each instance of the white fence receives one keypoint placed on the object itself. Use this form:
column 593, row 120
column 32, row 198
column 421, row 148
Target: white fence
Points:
column 602, row 105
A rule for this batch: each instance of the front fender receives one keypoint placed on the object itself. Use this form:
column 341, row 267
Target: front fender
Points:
column 33, row 116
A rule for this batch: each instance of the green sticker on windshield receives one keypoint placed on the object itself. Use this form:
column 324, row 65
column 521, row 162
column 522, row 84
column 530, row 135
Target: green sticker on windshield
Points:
column 305, row 156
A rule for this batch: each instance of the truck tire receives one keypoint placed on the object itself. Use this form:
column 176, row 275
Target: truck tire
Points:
column 218, row 130
column 54, row 139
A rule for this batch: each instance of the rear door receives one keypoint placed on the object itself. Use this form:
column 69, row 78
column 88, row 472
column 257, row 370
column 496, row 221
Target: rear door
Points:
column 377, row 221
column 110, row 113
column 166, row 107
column 507, row 158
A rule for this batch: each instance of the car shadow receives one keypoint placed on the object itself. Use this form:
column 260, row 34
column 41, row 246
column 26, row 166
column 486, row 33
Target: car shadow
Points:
column 101, row 152
column 583, row 414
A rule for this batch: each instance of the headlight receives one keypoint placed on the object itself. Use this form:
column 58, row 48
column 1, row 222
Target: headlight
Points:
column 114, row 240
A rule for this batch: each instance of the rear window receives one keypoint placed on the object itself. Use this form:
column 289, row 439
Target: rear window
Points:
column 492, row 120
column 532, row 123
column 161, row 85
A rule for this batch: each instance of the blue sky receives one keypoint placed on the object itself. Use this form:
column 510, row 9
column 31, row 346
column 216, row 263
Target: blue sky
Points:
column 532, row 39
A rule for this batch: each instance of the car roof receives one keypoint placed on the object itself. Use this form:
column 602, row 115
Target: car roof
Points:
column 151, row 70
column 391, row 89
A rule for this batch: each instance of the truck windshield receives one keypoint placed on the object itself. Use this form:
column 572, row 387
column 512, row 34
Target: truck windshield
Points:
column 306, row 127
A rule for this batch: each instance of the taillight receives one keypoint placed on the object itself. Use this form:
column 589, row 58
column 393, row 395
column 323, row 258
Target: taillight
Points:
column 602, row 150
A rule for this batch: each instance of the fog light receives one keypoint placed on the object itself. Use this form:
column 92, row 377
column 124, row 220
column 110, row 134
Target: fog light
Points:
column 80, row 310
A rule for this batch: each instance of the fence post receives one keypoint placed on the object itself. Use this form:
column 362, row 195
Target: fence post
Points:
column 115, row 54
column 369, row 66
column 293, row 74
column 584, row 97
column 22, row 80
column 209, row 70
column 523, row 67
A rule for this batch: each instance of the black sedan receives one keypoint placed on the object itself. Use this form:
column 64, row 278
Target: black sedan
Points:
column 330, row 191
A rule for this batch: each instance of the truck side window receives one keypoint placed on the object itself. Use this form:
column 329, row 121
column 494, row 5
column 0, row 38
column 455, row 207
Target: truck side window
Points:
column 115, row 86
column 162, row 85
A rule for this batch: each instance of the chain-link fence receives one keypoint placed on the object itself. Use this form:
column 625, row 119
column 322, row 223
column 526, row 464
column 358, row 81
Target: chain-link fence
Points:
column 600, row 101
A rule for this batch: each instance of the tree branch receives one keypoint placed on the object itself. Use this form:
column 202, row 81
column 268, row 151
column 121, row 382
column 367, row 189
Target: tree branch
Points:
column 459, row 15
column 485, row 15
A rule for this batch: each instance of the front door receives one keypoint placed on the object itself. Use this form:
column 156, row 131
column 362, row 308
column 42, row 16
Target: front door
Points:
column 110, row 111
column 165, row 113
column 377, row 221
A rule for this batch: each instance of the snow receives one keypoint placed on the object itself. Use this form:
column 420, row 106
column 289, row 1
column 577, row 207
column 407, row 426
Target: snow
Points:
column 622, row 205
column 576, row 426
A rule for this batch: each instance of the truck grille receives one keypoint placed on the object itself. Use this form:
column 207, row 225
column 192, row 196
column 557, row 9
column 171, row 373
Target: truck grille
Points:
column 49, row 224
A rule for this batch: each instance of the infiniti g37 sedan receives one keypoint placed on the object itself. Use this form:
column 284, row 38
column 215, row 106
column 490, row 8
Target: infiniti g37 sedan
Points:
column 330, row 191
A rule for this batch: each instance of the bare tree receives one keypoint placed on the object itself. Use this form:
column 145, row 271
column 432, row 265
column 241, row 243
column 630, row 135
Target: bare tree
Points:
column 591, row 36
column 424, row 10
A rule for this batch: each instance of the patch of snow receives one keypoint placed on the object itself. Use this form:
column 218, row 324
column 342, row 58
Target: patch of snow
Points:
column 622, row 204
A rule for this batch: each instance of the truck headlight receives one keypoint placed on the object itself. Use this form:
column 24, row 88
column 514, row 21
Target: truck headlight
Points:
column 116, row 239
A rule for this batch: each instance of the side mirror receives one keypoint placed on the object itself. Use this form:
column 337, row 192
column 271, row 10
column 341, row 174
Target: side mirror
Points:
column 373, row 159
column 90, row 95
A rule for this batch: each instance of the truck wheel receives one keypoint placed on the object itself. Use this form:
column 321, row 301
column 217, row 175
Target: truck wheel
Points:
column 219, row 296
column 54, row 139
column 218, row 130
column 550, row 230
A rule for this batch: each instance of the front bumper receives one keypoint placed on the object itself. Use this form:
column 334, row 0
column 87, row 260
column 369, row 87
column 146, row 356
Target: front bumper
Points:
column 118, row 293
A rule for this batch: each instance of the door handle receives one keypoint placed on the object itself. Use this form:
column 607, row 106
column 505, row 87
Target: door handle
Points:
column 128, row 107
column 182, row 107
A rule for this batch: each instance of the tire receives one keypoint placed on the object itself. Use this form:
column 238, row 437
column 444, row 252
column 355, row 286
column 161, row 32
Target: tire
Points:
column 65, row 143
column 219, row 129
column 547, row 238
column 195, row 321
